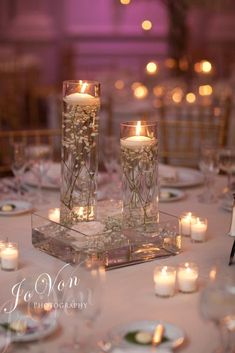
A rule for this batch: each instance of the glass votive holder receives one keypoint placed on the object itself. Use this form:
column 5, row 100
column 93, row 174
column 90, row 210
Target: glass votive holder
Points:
column 10, row 257
column 2, row 246
column 164, row 280
column 187, row 277
column 198, row 230
column 186, row 220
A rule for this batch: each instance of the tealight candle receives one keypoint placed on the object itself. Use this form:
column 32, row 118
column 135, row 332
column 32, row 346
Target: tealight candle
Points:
column 164, row 279
column 10, row 257
column 198, row 230
column 54, row 214
column 186, row 221
column 187, row 276
column 138, row 140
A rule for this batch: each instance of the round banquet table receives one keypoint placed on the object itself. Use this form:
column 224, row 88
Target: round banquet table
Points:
column 129, row 292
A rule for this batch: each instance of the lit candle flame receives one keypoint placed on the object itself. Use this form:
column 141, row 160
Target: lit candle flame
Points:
column 138, row 128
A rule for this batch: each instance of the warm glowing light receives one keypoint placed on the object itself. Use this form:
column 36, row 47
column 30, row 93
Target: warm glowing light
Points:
column 141, row 92
column 190, row 97
column 205, row 90
column 151, row 68
column 158, row 91
column 135, row 85
column 206, row 66
column 177, row 95
column 170, row 63
column 125, row 2
column 84, row 213
column 146, row 25
column 119, row 84
column 213, row 274
column 47, row 306
column 138, row 128
column 84, row 86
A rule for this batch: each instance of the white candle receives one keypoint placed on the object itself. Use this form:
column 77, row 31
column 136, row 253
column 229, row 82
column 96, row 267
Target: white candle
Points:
column 54, row 215
column 185, row 223
column 9, row 257
column 164, row 279
column 187, row 276
column 137, row 140
column 198, row 230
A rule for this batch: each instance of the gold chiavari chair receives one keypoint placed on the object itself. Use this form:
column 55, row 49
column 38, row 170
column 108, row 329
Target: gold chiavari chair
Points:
column 29, row 137
column 180, row 137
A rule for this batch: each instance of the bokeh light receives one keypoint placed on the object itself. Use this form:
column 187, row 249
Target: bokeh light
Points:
column 170, row 63
column 135, row 85
column 204, row 66
column 158, row 91
column 151, row 68
column 119, row 84
column 205, row 90
column 125, row 2
column 141, row 92
column 177, row 95
column 190, row 97
column 146, row 25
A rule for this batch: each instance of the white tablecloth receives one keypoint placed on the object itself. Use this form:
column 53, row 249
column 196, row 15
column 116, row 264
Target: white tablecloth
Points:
column 129, row 293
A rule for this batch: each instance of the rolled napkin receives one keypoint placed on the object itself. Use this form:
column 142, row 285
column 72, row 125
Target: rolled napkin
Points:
column 167, row 173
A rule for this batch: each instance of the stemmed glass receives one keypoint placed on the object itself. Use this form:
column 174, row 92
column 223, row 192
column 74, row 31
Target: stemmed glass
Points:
column 217, row 304
column 110, row 157
column 40, row 157
column 18, row 165
column 227, row 165
column 209, row 166
column 82, row 303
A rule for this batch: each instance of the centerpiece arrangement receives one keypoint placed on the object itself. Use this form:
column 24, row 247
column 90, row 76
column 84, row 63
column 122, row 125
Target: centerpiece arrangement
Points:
column 119, row 233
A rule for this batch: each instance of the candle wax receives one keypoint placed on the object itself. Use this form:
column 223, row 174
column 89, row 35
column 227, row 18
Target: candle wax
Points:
column 81, row 99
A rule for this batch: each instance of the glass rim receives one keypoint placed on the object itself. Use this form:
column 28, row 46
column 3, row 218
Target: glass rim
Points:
column 144, row 123
column 79, row 81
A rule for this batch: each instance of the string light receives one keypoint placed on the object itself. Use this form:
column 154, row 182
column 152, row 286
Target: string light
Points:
column 151, row 68
column 146, row 25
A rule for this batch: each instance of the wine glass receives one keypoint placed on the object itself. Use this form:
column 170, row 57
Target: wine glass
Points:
column 82, row 303
column 18, row 165
column 209, row 166
column 110, row 157
column 40, row 157
column 217, row 304
column 227, row 165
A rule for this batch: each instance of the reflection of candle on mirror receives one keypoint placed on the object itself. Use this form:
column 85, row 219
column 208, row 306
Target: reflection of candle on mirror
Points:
column 54, row 214
column 187, row 276
column 84, row 213
column 198, row 229
column 82, row 98
column 9, row 257
column 185, row 223
column 137, row 140
column 164, row 279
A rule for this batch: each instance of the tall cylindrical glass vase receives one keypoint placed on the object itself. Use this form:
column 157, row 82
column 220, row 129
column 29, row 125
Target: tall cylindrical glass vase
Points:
column 139, row 152
column 81, row 103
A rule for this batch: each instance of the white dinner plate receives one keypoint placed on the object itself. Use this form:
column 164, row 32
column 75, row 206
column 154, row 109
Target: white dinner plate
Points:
column 185, row 177
column 174, row 334
column 170, row 194
column 35, row 330
column 21, row 207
